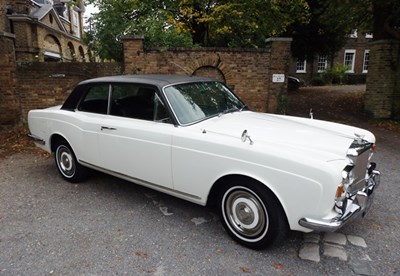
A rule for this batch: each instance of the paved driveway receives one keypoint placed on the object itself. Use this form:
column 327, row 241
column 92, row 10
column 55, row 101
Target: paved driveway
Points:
column 107, row 226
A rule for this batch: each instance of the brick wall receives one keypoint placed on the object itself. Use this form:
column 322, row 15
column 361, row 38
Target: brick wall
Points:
column 42, row 85
column 248, row 71
column 382, row 101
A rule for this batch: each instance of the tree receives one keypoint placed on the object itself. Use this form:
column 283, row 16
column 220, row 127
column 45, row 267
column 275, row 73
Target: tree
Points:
column 328, row 28
column 168, row 23
column 124, row 17
column 236, row 23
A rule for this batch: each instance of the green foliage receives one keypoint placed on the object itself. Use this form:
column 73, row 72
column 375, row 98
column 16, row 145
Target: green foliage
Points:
column 128, row 17
column 158, row 34
column 326, row 31
column 175, row 23
column 248, row 23
column 334, row 74
column 318, row 27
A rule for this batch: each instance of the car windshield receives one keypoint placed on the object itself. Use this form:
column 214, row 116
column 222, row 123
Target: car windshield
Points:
column 196, row 101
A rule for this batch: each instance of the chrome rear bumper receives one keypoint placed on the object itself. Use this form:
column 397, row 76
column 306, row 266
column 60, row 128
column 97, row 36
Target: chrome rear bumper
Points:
column 36, row 139
column 360, row 204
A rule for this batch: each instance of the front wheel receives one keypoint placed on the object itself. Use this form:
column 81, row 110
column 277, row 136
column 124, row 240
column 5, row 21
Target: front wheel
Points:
column 67, row 164
column 251, row 214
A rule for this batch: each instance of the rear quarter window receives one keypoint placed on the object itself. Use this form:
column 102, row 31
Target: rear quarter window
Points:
column 95, row 99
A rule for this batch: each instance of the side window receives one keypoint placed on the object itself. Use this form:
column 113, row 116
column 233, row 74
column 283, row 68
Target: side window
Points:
column 138, row 102
column 95, row 100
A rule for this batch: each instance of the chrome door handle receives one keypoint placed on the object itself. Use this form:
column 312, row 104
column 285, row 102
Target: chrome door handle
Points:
column 108, row 128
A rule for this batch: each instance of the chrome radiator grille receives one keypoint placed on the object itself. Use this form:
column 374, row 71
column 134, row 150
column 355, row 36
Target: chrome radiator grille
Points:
column 360, row 153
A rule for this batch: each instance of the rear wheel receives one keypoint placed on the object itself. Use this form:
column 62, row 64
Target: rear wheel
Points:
column 251, row 214
column 67, row 164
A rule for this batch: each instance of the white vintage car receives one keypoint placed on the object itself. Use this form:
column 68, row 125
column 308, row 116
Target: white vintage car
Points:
column 192, row 138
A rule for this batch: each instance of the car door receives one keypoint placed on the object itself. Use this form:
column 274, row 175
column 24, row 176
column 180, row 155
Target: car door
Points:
column 90, row 113
column 135, row 139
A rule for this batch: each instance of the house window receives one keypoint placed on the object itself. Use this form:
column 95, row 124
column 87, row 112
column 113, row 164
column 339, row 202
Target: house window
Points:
column 72, row 51
column 50, row 56
column 366, row 61
column 301, row 66
column 66, row 13
column 322, row 63
column 44, row 2
column 349, row 57
column 76, row 24
column 353, row 33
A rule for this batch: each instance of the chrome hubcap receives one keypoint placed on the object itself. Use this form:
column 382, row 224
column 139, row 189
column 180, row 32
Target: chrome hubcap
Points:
column 65, row 161
column 245, row 213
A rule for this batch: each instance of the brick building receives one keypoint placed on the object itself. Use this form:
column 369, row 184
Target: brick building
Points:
column 45, row 30
column 354, row 55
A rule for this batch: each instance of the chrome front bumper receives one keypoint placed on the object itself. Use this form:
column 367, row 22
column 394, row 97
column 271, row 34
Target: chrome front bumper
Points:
column 360, row 203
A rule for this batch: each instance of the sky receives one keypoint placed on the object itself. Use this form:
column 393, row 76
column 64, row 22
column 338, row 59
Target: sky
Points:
column 89, row 9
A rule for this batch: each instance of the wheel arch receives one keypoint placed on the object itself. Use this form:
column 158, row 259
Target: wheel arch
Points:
column 55, row 138
column 219, row 185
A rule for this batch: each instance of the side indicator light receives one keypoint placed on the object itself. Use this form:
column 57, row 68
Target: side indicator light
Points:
column 339, row 191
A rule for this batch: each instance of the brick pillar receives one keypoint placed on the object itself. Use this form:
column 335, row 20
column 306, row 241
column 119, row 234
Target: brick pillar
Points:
column 382, row 91
column 133, row 47
column 9, row 103
column 4, row 24
column 277, row 73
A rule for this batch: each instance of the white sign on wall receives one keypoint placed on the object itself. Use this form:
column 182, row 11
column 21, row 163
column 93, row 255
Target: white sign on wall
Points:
column 278, row 78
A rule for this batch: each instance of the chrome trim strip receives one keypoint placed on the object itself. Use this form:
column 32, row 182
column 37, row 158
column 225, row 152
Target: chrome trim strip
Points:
column 36, row 139
column 139, row 181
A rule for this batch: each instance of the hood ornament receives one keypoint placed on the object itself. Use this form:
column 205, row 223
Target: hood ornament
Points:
column 246, row 136
column 311, row 114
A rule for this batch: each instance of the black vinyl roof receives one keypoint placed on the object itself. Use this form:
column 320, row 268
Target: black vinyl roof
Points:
column 157, row 80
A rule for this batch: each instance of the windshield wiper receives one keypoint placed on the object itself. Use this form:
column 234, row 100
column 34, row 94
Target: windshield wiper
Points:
column 229, row 110
column 243, row 107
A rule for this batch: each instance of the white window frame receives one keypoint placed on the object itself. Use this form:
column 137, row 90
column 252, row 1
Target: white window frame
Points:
column 322, row 60
column 369, row 35
column 351, row 66
column 50, row 2
column 76, row 23
column 302, row 64
column 353, row 33
column 366, row 61
column 66, row 13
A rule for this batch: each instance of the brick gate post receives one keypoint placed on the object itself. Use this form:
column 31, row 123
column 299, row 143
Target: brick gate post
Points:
column 133, row 53
column 10, row 112
column 277, row 73
column 382, row 96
